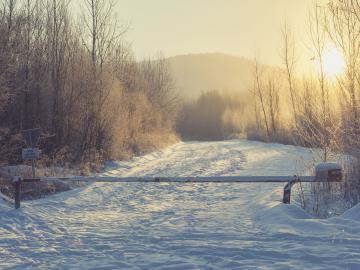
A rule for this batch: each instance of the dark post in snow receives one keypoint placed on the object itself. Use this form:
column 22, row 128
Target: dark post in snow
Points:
column 17, row 188
column 17, row 182
column 31, row 137
column 287, row 190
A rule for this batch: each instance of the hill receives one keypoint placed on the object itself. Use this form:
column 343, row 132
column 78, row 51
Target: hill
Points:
column 196, row 73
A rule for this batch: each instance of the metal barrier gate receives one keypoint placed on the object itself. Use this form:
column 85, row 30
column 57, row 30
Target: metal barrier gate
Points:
column 324, row 172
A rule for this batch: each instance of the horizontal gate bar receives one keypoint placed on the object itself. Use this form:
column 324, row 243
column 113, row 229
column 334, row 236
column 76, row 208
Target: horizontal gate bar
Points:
column 325, row 172
column 202, row 179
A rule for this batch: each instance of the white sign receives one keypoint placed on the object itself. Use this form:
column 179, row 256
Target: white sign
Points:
column 30, row 153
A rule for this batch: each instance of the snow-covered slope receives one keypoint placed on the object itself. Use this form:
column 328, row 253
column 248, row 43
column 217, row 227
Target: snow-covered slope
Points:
column 182, row 226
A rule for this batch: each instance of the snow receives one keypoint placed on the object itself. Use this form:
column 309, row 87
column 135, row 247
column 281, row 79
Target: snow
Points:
column 182, row 226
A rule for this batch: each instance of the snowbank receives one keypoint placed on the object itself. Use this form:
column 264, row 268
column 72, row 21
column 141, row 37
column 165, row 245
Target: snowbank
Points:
column 182, row 226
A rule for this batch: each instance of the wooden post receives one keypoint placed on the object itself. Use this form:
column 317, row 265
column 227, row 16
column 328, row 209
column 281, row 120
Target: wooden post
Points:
column 17, row 187
column 287, row 191
column 287, row 195
column 33, row 167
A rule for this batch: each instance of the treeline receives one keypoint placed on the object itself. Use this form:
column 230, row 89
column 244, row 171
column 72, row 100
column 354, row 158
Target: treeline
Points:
column 214, row 115
column 79, row 82
column 322, row 110
column 314, row 110
column 319, row 110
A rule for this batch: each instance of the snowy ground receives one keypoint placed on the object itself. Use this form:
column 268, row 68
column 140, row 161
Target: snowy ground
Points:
column 182, row 226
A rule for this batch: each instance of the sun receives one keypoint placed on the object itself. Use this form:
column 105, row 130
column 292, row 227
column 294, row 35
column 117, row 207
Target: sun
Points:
column 333, row 62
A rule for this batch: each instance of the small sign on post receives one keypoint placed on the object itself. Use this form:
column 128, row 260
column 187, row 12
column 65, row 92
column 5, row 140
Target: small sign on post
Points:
column 30, row 153
column 31, row 137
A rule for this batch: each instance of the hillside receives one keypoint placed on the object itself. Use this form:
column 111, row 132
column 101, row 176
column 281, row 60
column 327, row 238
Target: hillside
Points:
column 196, row 73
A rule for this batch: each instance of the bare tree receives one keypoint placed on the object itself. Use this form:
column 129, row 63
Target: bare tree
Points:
column 288, row 56
column 103, row 33
column 318, row 39
column 273, row 89
column 159, row 84
column 343, row 27
column 260, row 93
column 6, row 67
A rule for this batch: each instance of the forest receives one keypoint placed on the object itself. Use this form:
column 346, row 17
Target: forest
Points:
column 76, row 78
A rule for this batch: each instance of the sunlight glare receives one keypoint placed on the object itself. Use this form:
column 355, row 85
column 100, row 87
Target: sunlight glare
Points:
column 333, row 62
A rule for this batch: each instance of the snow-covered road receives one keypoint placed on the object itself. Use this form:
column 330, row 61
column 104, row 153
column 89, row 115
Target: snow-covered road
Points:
column 182, row 226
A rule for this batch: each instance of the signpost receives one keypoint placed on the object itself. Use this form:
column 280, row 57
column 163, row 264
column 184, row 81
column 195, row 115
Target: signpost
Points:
column 31, row 137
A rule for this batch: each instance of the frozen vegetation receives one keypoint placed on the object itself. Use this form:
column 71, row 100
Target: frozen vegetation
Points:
column 182, row 226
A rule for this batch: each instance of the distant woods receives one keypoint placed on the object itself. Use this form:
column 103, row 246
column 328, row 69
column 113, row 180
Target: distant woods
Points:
column 319, row 110
column 214, row 115
column 315, row 110
column 78, row 80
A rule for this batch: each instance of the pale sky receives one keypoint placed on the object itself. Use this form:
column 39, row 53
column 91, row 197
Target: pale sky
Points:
column 236, row 27
column 242, row 28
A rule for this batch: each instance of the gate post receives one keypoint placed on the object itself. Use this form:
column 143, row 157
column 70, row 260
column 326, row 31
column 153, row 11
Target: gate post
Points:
column 287, row 190
column 17, row 188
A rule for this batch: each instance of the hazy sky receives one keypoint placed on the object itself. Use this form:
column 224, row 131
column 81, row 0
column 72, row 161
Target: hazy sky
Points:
column 237, row 27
